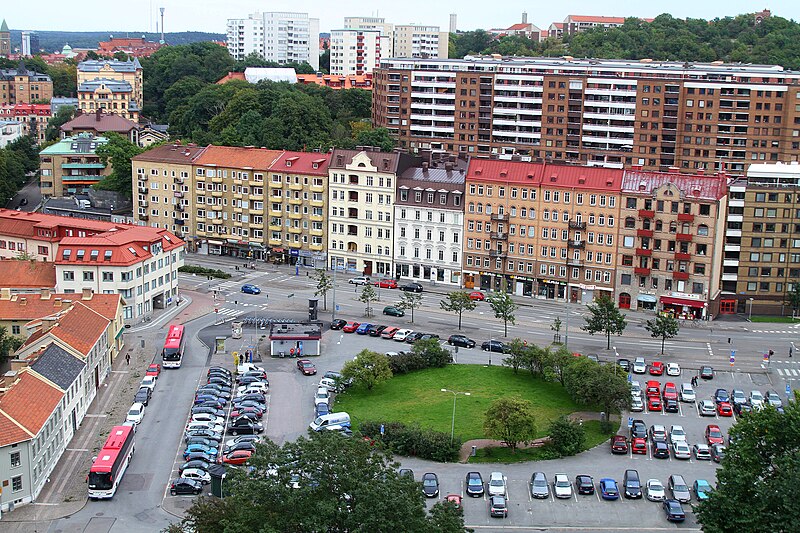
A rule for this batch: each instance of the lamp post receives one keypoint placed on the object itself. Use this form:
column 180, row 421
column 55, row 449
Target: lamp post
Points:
column 616, row 360
column 453, row 424
column 750, row 312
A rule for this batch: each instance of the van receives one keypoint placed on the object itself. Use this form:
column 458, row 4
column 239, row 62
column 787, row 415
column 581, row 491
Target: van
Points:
column 632, row 484
column 329, row 421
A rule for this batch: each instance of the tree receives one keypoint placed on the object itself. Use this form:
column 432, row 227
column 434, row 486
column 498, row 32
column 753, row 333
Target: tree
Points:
column 664, row 327
column 510, row 419
column 517, row 356
column 410, row 300
column 375, row 137
column 324, row 284
column 503, row 307
column 118, row 151
column 367, row 296
column 432, row 353
column 62, row 116
column 8, row 344
column 457, row 302
column 591, row 384
column 324, row 482
column 794, row 296
column 325, row 61
column 566, row 436
column 605, row 317
column 756, row 485
column 368, row 369
column 556, row 328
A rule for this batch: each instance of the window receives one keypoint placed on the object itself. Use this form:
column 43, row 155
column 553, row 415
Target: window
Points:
column 69, row 275
column 108, row 276
column 88, row 276
column 15, row 459
column 16, row 484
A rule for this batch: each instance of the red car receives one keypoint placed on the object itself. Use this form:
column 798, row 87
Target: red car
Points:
column 714, row 435
column 670, row 391
column 386, row 284
column 478, row 296
column 248, row 409
column 653, row 403
column 652, row 389
column 153, row 370
column 388, row 333
column 306, row 367
column 656, row 368
column 619, row 444
column 238, row 457
column 724, row 409
column 350, row 327
column 455, row 498
column 639, row 445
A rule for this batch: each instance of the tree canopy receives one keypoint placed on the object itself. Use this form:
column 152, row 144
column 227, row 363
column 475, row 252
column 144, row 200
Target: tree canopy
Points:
column 367, row 369
column 662, row 327
column 18, row 158
column 510, row 419
column 604, row 317
column 118, row 152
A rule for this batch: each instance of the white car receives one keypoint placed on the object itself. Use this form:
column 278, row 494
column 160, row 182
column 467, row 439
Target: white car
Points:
column 637, row 405
column 198, row 475
column 673, row 369
column 655, row 490
column 329, row 384
column 322, row 395
column 680, row 450
column 207, row 417
column 253, row 388
column 135, row 413
column 497, row 484
column 636, row 389
column 149, row 382
column 639, row 366
column 247, row 367
column 707, row 408
column 687, row 393
column 360, row 280
column 756, row 399
column 773, row 399
column 402, row 335
column 676, row 433
column 216, row 428
column 562, row 488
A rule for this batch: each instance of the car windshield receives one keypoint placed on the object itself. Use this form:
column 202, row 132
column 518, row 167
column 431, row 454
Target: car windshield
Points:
column 539, row 482
column 681, row 488
column 562, row 483
column 496, row 482
column 475, row 481
column 429, row 482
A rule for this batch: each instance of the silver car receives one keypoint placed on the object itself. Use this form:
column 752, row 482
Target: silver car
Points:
column 707, row 408
column 680, row 450
column 639, row 366
column 773, row 399
column 756, row 399
column 655, row 490
column 679, row 489
column 539, row 487
column 737, row 396
column 687, row 393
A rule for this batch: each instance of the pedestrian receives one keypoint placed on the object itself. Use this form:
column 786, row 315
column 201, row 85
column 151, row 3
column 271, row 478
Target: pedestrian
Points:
column 128, row 358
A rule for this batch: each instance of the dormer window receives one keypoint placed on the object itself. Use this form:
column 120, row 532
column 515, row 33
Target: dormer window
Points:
column 80, row 254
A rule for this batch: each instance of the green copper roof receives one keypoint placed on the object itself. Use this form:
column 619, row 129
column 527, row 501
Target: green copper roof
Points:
column 4, row 27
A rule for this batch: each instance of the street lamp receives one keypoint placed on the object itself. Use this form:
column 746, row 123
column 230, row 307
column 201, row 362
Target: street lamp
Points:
column 616, row 360
column 453, row 424
column 750, row 312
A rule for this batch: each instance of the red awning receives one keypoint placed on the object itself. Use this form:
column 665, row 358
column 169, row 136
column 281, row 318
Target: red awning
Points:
column 681, row 301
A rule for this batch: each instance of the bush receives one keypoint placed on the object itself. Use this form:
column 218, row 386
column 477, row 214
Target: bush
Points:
column 413, row 440
column 424, row 354
column 566, row 436
column 191, row 269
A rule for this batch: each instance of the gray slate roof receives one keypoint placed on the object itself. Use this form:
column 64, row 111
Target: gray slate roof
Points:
column 94, row 65
column 116, row 86
column 59, row 366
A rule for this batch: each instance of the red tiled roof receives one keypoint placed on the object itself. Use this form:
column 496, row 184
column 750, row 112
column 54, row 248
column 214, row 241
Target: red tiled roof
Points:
column 558, row 25
column 171, row 153
column 351, row 81
column 32, row 306
column 78, row 326
column 544, row 174
column 597, row 20
column 302, row 163
column 25, row 224
column 230, row 76
column 27, row 274
column 10, row 430
column 697, row 186
column 519, row 26
column 30, row 401
column 234, row 157
column 126, row 246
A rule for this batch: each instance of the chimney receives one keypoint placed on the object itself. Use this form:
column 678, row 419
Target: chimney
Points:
column 45, row 294
column 524, row 17
column 87, row 294
column 448, row 166
column 23, row 301
column 5, row 293
column 425, row 166
column 8, row 379
column 17, row 365
column 57, row 302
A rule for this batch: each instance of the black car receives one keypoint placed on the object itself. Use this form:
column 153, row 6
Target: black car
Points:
column 740, row 408
column 584, row 484
column 414, row 337
column 225, row 395
column 411, row 287
column 249, row 403
column 671, row 406
column 248, row 445
column 252, row 416
column 204, row 397
column 338, row 323
column 632, row 484
column 184, row 485
column 196, row 463
column 406, row 472
column 638, row 429
column 260, row 374
column 220, row 380
column 219, row 369
column 201, row 456
column 206, row 433
column 245, row 426
column 430, row 485
column 375, row 331
column 721, row 395
column 428, row 336
column 474, row 484
column 660, row 450
column 706, row 372
column 494, row 346
column 624, row 364
column 674, row 511
column 143, row 395
column 247, row 380
column 210, row 402
column 208, row 410
column 461, row 340
column 254, row 396
column 205, row 441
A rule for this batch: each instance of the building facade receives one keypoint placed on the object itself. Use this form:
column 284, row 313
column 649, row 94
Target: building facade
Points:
column 111, row 85
column 33, row 117
column 548, row 231
column 100, row 123
column 361, row 197
column 5, row 40
column 355, row 52
column 671, row 243
column 10, row 131
column 612, row 113
column 23, row 86
column 429, row 222
column 410, row 40
column 71, row 165
column 375, row 23
column 283, row 37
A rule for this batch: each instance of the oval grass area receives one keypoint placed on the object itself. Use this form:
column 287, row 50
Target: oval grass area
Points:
column 416, row 398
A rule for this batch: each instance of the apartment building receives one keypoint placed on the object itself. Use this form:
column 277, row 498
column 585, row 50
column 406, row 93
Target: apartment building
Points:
column 100, row 123
column 612, row 113
column 355, row 52
column 375, row 23
column 33, row 117
column 23, row 86
column 671, row 242
column 761, row 261
column 411, row 40
column 361, row 197
column 111, row 85
column 577, row 23
column 71, row 166
column 297, row 198
column 283, row 37
column 542, row 230
column 10, row 131
column 429, row 221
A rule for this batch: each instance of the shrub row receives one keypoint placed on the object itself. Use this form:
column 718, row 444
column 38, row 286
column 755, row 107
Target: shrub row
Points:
column 424, row 354
column 403, row 439
column 191, row 269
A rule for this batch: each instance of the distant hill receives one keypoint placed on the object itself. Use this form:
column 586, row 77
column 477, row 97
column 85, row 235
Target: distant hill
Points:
column 52, row 41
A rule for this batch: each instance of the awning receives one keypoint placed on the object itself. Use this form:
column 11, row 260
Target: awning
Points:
column 214, row 241
column 649, row 298
column 681, row 301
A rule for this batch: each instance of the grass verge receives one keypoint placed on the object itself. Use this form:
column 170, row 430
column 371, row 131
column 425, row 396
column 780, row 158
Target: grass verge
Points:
column 774, row 319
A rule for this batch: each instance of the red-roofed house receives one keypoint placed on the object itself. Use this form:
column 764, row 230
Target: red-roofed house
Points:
column 27, row 276
column 34, row 117
column 671, row 242
column 540, row 229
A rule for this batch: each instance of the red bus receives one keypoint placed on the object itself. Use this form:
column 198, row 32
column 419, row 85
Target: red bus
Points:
column 172, row 354
column 110, row 464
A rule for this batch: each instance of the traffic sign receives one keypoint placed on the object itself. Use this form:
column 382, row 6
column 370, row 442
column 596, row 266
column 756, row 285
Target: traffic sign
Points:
column 337, row 307
column 630, row 422
column 630, row 378
column 788, row 389
column 766, row 357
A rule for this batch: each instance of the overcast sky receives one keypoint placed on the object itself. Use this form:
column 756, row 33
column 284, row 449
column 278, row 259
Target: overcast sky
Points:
column 210, row 15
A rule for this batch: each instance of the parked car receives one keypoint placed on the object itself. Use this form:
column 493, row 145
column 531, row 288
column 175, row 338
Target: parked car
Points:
column 673, row 511
column 306, row 367
column 701, row 452
column 392, row 310
column 637, row 405
column 494, row 346
column 721, row 395
column 714, row 435
column 584, row 484
column 338, row 323
column 238, row 457
column 414, row 336
column 250, row 289
column 477, row 296
column 455, row 499
column 376, row 330
column 738, row 396
column 656, row 368
column 498, row 507
column 386, row 283
column 198, row 456
column 153, row 370
column 671, row 406
column 194, row 448
column 205, row 432
column 430, row 485
column 185, row 486
column 756, row 399
column 632, row 484
column 149, row 382
column 539, row 487
column 687, row 393
column 706, row 372
column 653, row 403
column 497, row 484
column 211, row 443
column 717, row 452
column 350, row 327
column 197, row 474
column 562, row 488
column 661, row 450
column 673, row 369
column 639, row 366
column 411, row 287
column 670, row 391
column 198, row 464
column 135, row 413
column 706, row 408
column 619, row 444
column 360, row 280
column 143, row 396
column 241, row 438
column 638, row 429
column 655, row 490
column 724, row 409
column 679, row 488
column 658, row 433
column 773, row 399
column 639, row 446
column 402, row 335
column 363, row 328
column 474, row 484
column 702, row 489
column 680, row 450
column 244, row 425
column 243, row 445
column 389, row 332
column 624, row 364
column 608, row 489
column 460, row 340
column 636, row 389
column 321, row 408
column 406, row 472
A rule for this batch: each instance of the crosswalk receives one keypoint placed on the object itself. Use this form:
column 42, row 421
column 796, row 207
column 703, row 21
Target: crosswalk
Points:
column 780, row 331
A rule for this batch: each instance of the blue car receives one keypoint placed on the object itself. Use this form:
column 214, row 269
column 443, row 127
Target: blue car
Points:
column 363, row 329
column 702, row 489
column 202, row 398
column 322, row 409
column 250, row 289
column 608, row 489
column 192, row 448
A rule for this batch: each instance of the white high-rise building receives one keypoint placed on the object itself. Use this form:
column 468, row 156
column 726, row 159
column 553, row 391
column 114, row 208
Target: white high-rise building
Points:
column 375, row 23
column 356, row 51
column 283, row 37
column 411, row 40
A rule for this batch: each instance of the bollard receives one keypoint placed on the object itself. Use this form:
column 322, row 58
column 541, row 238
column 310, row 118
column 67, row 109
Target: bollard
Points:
column 474, row 451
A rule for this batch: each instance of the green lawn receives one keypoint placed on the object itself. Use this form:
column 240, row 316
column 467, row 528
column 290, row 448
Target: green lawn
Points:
column 776, row 319
column 417, row 398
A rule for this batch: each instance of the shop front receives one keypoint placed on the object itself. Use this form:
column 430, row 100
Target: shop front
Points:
column 683, row 308
column 311, row 259
column 523, row 286
column 647, row 302
column 551, row 289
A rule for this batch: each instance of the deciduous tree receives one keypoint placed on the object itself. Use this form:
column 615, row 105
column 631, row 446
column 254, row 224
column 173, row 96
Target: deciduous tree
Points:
column 410, row 300
column 510, row 420
column 324, row 284
column 367, row 296
column 118, row 152
column 503, row 307
column 605, row 317
column 663, row 327
column 457, row 302
column 367, row 369
column 566, row 436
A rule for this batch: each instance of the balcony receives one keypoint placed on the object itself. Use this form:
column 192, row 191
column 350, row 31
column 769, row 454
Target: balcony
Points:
column 142, row 190
column 178, row 194
column 295, row 229
column 315, row 247
column 499, row 217
column 142, row 177
column 685, row 217
column 681, row 276
column 144, row 203
column 216, row 179
column 644, row 233
column 497, row 253
column 574, row 262
column 681, row 256
column 574, row 224
column 317, row 188
column 296, row 186
column 275, row 227
column 216, row 194
column 216, row 207
column 641, row 271
column 644, row 252
column 684, row 237
column 179, row 181
column 180, row 207
column 499, row 236
column 179, row 221
column 646, row 213
column 275, row 242
column 579, row 245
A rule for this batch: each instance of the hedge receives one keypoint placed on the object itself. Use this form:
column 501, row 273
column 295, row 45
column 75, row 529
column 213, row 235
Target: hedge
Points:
column 191, row 269
column 402, row 439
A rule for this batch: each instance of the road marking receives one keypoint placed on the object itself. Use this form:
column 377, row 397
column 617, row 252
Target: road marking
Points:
column 76, row 450
column 95, row 416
